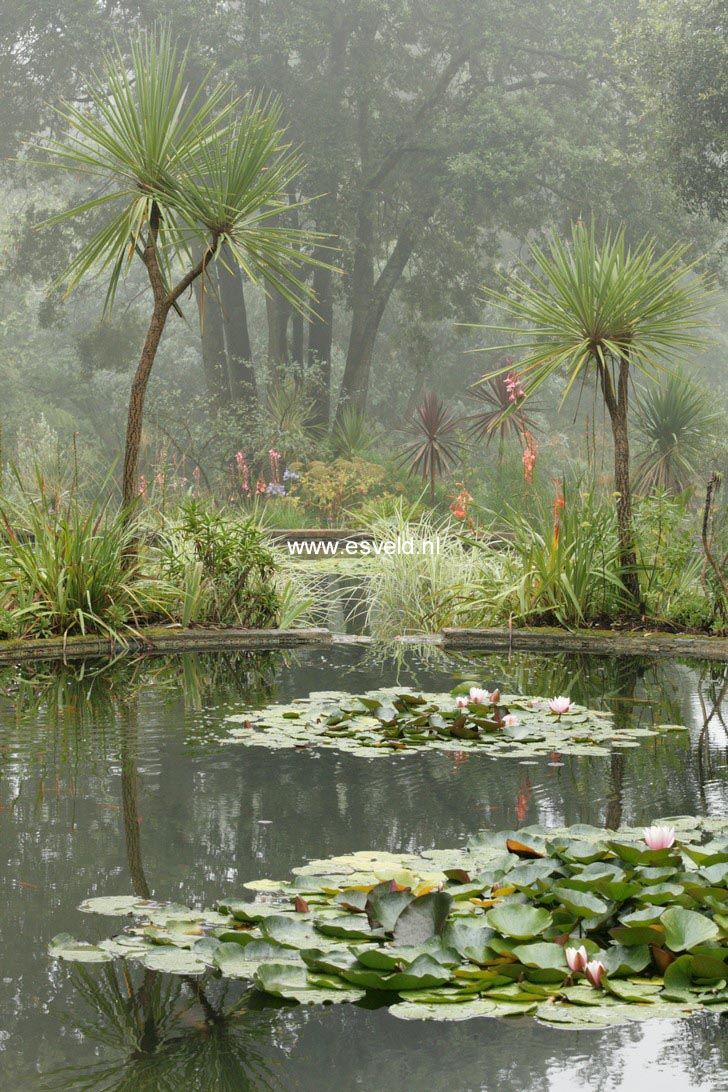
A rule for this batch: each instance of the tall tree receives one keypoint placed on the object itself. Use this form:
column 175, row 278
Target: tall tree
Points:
column 596, row 309
column 181, row 174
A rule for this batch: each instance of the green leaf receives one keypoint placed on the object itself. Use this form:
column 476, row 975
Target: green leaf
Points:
column 423, row 973
column 686, row 928
column 519, row 921
column 64, row 946
column 425, row 917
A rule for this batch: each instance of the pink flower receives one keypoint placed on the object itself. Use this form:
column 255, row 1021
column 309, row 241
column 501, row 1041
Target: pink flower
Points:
column 479, row 697
column 576, row 958
column 560, row 705
column 510, row 721
column 659, row 837
column 462, row 702
column 594, row 972
column 514, row 388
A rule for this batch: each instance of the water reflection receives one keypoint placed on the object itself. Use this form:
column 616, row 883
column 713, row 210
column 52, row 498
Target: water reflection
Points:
column 162, row 1033
column 114, row 780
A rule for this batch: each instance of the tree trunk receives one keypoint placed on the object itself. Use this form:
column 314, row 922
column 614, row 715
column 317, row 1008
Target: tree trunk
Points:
column 130, row 486
column 214, row 355
column 618, row 404
column 240, row 371
column 319, row 343
column 278, row 313
column 369, row 304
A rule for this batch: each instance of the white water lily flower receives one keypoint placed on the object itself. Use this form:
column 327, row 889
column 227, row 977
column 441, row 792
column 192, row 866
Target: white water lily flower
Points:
column 659, row 837
column 560, row 705
column 479, row 697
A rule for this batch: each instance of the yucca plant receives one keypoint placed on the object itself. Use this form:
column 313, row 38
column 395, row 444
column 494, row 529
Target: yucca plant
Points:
column 352, row 434
column 493, row 417
column 188, row 176
column 434, row 447
column 675, row 423
column 601, row 309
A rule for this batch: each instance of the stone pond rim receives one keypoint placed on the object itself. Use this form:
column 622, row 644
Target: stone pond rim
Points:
column 161, row 640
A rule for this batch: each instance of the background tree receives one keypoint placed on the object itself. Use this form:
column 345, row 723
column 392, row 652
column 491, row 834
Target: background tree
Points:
column 188, row 182
column 598, row 309
column 675, row 424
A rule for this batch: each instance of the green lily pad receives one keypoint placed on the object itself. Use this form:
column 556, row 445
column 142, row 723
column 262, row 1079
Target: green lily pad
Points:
column 686, row 928
column 64, row 946
column 502, row 954
column 518, row 920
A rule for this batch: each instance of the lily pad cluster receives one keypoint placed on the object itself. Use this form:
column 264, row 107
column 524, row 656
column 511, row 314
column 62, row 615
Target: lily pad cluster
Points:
column 501, row 927
column 402, row 719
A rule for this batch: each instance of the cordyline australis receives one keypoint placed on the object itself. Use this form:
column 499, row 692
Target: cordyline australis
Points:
column 601, row 309
column 188, row 177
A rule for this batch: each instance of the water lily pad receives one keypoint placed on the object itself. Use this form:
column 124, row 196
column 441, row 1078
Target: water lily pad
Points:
column 686, row 928
column 173, row 960
column 518, row 920
column 399, row 720
column 64, row 946
column 446, row 939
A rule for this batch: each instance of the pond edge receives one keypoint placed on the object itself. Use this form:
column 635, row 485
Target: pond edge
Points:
column 163, row 640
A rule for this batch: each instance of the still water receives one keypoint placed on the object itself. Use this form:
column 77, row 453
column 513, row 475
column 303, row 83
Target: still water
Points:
column 113, row 781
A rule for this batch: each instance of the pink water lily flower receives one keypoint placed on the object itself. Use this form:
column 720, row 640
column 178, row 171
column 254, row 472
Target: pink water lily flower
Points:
column 462, row 702
column 479, row 697
column 576, row 958
column 510, row 721
column 560, row 705
column 594, row 972
column 659, row 837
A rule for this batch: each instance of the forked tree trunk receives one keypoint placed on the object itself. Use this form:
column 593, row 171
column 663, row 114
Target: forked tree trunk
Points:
column 164, row 301
column 136, row 403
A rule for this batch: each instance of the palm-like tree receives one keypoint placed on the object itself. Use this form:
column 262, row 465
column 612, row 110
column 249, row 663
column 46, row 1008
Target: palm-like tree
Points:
column 675, row 424
column 188, row 177
column 493, row 416
column 434, row 447
column 601, row 309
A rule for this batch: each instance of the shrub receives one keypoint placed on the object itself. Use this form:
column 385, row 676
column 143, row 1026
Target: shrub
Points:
column 65, row 569
column 671, row 562
column 221, row 566
column 329, row 488
column 567, row 560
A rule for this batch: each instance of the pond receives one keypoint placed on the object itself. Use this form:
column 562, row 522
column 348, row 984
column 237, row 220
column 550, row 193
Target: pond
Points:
column 114, row 781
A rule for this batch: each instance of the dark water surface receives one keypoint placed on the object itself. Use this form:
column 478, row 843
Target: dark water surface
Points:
column 116, row 781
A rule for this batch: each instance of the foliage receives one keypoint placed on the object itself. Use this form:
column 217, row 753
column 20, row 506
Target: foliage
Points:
column 567, row 561
column 352, row 435
column 504, row 926
column 291, row 415
column 676, row 422
column 181, row 158
column 584, row 306
column 498, row 396
column 429, row 581
column 594, row 309
column 329, row 488
column 65, row 570
column 223, row 566
column 434, row 447
column 671, row 562
column 393, row 720
column 679, row 53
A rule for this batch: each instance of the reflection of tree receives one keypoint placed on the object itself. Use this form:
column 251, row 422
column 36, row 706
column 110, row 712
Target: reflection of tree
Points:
column 129, row 799
column 165, row 1034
